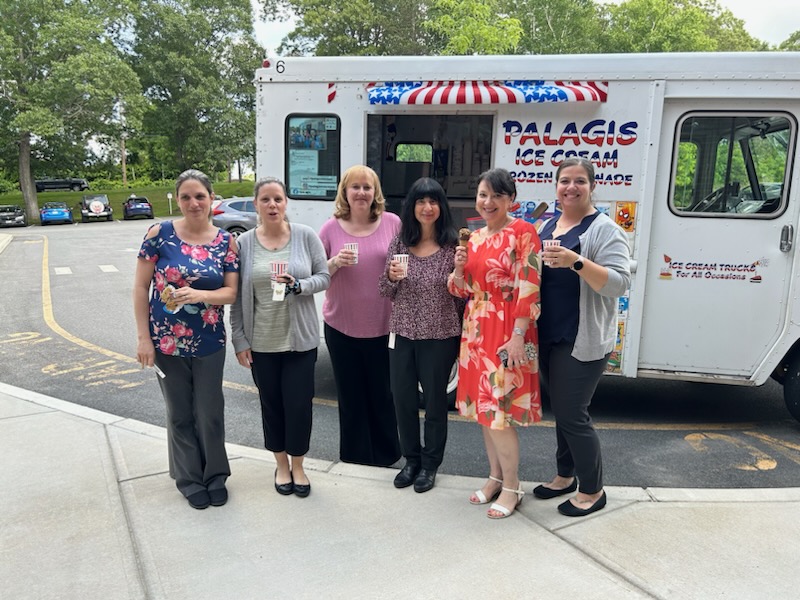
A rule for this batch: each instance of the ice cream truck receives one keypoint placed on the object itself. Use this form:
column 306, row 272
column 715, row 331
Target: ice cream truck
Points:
column 696, row 158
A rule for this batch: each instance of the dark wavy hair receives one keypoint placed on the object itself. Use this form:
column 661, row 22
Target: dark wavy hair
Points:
column 500, row 181
column 411, row 232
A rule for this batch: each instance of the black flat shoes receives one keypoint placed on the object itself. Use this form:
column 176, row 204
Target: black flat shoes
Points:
column 425, row 480
column 284, row 489
column 218, row 496
column 568, row 509
column 199, row 500
column 406, row 476
column 301, row 490
column 545, row 493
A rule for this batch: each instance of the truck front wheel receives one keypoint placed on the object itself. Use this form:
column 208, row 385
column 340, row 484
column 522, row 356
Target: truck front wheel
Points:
column 791, row 386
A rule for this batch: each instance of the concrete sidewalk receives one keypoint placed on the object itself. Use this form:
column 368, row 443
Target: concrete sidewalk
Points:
column 89, row 512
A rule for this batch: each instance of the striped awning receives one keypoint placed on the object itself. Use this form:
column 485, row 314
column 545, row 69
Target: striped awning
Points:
column 486, row 92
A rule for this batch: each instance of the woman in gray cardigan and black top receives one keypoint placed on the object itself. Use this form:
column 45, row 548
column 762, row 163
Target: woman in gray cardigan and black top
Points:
column 275, row 328
column 581, row 281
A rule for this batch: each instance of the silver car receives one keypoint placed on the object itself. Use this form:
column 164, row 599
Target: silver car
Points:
column 234, row 215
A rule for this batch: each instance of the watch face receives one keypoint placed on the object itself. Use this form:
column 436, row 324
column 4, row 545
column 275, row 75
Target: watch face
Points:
column 577, row 265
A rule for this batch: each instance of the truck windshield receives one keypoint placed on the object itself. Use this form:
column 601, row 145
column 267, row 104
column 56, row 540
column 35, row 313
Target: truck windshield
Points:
column 732, row 164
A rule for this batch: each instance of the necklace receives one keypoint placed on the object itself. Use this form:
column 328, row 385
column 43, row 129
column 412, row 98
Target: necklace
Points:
column 274, row 243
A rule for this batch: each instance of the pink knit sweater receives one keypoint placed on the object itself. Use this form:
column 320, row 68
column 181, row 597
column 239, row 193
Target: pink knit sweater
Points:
column 353, row 305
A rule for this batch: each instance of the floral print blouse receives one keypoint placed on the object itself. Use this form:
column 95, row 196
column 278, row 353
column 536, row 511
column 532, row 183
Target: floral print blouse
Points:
column 187, row 329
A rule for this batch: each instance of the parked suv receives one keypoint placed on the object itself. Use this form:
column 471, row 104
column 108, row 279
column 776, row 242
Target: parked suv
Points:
column 136, row 206
column 12, row 215
column 67, row 183
column 96, row 206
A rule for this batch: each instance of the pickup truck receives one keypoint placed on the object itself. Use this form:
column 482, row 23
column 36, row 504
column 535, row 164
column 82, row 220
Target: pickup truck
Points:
column 66, row 183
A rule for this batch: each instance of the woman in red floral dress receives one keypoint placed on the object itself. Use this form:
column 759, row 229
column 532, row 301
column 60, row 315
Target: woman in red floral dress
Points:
column 499, row 273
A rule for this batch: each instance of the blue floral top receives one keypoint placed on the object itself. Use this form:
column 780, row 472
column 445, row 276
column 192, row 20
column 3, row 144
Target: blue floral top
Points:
column 187, row 329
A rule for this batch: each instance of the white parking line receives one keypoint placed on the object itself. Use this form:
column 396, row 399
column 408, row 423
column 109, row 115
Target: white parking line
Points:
column 62, row 270
column 108, row 268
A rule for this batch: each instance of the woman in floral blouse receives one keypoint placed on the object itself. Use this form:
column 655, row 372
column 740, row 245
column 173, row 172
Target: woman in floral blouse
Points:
column 425, row 325
column 188, row 269
column 498, row 272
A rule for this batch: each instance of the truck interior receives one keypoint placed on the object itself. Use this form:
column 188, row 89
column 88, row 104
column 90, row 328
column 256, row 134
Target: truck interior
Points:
column 732, row 164
column 451, row 148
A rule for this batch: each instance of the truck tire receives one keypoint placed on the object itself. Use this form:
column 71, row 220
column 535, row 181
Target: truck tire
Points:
column 791, row 386
column 76, row 187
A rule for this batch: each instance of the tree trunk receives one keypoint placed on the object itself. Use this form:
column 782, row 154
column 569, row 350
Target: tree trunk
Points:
column 124, row 162
column 26, row 180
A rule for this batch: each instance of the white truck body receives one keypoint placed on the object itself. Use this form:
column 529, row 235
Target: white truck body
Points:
column 696, row 156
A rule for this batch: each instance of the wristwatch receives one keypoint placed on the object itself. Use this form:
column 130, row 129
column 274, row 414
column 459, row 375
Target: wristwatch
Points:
column 578, row 264
column 518, row 331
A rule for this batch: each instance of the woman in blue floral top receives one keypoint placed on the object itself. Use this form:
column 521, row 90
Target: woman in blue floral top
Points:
column 187, row 270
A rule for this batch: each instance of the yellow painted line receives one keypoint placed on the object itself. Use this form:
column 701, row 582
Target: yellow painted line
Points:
column 47, row 309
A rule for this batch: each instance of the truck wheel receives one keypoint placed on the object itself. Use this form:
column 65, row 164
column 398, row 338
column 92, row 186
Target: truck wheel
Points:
column 76, row 187
column 791, row 386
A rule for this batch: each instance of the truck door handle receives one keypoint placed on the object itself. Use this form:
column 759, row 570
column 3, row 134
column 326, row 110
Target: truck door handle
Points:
column 787, row 234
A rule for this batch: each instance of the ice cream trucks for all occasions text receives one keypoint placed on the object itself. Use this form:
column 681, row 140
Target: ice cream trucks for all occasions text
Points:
column 696, row 157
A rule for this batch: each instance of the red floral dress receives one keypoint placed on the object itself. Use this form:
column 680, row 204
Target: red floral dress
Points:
column 501, row 277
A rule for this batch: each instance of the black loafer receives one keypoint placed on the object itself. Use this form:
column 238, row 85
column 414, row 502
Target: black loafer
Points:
column 218, row 497
column 406, row 476
column 545, row 493
column 301, row 490
column 568, row 509
column 284, row 489
column 425, row 480
column 199, row 500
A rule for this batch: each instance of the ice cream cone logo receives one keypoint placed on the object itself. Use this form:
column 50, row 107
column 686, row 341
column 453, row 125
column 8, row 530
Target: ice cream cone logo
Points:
column 666, row 272
column 756, row 278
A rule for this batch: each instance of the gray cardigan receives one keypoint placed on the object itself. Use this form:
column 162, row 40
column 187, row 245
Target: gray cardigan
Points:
column 309, row 265
column 604, row 242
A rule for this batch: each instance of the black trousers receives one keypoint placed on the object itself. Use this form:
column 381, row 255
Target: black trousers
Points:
column 285, row 382
column 427, row 362
column 367, row 423
column 192, row 392
column 570, row 384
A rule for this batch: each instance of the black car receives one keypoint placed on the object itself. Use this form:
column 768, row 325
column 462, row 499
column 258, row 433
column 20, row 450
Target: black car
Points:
column 96, row 206
column 137, row 206
column 12, row 215
column 75, row 184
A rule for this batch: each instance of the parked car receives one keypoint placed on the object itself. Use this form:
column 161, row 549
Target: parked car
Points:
column 96, row 206
column 75, row 184
column 137, row 206
column 234, row 215
column 12, row 215
column 55, row 212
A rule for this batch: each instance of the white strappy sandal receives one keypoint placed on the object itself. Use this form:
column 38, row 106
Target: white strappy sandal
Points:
column 506, row 512
column 482, row 499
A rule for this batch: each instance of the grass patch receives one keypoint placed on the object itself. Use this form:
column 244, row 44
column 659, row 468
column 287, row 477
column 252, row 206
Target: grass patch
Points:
column 156, row 194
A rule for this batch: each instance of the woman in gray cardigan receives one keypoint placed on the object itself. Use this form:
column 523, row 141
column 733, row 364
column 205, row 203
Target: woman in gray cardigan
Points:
column 275, row 328
column 582, row 279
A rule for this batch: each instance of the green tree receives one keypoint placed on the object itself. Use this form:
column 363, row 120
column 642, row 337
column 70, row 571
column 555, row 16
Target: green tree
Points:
column 556, row 26
column 63, row 77
column 354, row 27
column 473, row 27
column 674, row 26
column 792, row 43
column 190, row 56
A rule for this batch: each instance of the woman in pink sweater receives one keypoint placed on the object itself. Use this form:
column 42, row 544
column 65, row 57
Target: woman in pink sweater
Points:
column 357, row 318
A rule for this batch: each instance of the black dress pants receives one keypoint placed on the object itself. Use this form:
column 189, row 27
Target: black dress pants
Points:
column 285, row 382
column 192, row 392
column 428, row 362
column 570, row 384
column 367, row 423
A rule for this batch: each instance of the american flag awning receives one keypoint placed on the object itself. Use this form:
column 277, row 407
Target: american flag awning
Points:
column 486, row 92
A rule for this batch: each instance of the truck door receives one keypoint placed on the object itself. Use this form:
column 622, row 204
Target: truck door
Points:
column 722, row 240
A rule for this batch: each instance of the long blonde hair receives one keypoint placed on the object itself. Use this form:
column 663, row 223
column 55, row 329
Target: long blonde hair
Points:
column 341, row 208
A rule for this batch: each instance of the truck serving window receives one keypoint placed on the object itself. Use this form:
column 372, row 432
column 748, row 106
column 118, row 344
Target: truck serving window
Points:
column 732, row 165
column 313, row 146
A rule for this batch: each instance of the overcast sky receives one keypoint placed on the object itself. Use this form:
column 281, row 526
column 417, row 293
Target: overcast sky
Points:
column 769, row 20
